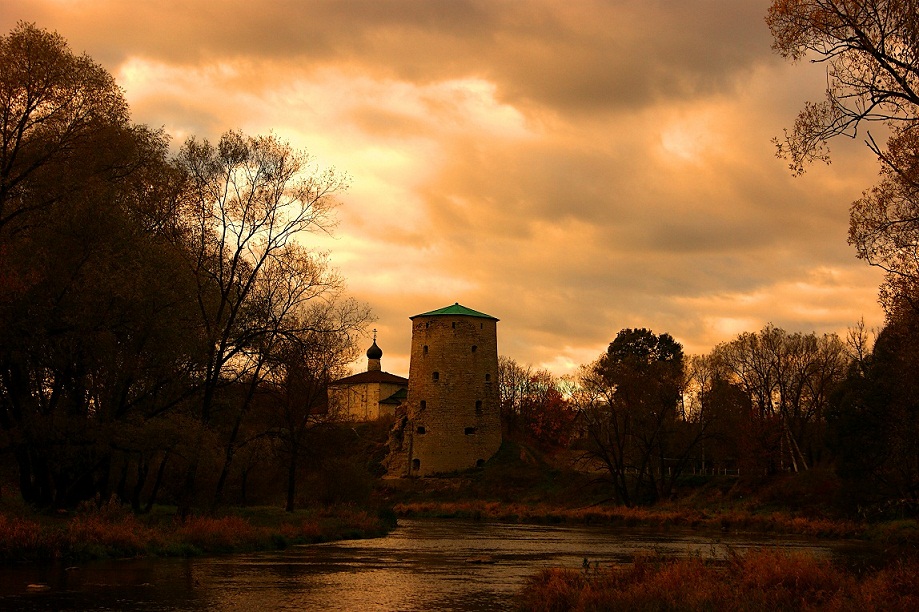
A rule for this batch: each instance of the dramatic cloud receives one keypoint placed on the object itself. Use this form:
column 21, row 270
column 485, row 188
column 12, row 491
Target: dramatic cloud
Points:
column 571, row 168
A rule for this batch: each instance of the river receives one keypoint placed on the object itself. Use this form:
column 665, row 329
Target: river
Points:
column 422, row 565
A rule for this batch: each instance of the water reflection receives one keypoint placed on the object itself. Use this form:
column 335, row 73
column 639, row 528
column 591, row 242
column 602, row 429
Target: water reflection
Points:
column 422, row 565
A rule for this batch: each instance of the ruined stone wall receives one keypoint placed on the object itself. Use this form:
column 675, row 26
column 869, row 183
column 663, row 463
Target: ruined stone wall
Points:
column 454, row 420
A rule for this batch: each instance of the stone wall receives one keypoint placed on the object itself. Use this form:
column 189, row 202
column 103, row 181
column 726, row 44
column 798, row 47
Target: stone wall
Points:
column 454, row 420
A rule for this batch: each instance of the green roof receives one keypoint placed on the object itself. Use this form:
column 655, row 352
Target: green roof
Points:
column 455, row 309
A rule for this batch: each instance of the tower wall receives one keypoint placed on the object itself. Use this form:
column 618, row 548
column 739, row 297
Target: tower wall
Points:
column 454, row 420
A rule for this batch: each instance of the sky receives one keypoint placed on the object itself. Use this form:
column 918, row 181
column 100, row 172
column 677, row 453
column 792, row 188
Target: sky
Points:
column 571, row 168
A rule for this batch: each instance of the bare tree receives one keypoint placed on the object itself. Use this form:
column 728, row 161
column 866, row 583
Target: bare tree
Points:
column 871, row 52
column 250, row 200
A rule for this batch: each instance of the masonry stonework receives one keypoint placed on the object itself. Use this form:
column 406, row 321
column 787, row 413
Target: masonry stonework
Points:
column 452, row 419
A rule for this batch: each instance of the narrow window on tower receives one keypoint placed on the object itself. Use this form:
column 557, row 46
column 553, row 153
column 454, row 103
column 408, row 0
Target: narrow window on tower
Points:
column 421, row 430
column 474, row 347
column 435, row 376
column 478, row 406
column 488, row 378
column 454, row 325
column 424, row 404
column 424, row 349
column 416, row 464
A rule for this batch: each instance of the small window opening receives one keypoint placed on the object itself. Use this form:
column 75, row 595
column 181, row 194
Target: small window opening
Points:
column 416, row 464
column 454, row 325
column 424, row 404
column 469, row 431
column 421, row 430
column 488, row 378
column 424, row 349
column 474, row 347
column 481, row 326
column 436, row 375
column 478, row 406
column 479, row 462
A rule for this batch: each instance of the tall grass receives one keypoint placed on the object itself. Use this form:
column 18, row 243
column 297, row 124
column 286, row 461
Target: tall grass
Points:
column 760, row 580
column 725, row 520
column 112, row 531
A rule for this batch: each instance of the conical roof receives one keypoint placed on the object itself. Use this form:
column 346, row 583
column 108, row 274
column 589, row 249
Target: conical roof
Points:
column 455, row 309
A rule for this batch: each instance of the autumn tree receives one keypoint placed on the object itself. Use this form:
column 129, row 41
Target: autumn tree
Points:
column 59, row 114
column 94, row 307
column 871, row 52
column 874, row 422
column 306, row 362
column 884, row 223
column 533, row 405
column 251, row 203
column 630, row 402
column 788, row 379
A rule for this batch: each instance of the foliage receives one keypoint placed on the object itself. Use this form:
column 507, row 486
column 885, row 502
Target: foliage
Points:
column 533, row 405
column 871, row 53
column 788, row 379
column 759, row 580
column 875, row 424
column 148, row 302
column 629, row 403
column 883, row 224
column 114, row 532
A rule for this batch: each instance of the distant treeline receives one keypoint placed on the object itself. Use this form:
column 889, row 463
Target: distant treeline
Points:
column 762, row 404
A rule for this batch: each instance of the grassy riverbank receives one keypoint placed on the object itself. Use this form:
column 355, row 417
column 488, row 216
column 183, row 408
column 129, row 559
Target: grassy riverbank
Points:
column 114, row 532
column 761, row 580
column 657, row 517
column 521, row 485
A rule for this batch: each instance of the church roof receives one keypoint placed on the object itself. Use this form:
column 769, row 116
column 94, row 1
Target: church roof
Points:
column 455, row 309
column 396, row 398
column 373, row 376
column 374, row 352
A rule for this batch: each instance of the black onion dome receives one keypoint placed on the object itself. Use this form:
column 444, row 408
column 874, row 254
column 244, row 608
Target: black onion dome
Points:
column 374, row 352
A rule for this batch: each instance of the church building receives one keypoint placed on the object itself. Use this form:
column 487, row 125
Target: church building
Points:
column 369, row 395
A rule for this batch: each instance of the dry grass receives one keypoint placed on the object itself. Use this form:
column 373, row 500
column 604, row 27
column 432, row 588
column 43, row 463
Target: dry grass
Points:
column 762, row 580
column 741, row 520
column 111, row 531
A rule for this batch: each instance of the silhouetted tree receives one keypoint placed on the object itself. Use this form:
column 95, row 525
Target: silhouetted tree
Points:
column 94, row 307
column 788, row 378
column 871, row 52
column 629, row 400
column 874, row 422
column 250, row 200
column 533, row 405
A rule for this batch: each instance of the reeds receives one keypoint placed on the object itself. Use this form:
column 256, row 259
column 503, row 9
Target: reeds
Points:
column 759, row 580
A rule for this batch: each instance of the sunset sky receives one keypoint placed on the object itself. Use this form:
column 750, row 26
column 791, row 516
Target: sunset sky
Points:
column 572, row 168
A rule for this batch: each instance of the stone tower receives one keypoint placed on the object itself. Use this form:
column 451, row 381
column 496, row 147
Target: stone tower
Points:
column 453, row 417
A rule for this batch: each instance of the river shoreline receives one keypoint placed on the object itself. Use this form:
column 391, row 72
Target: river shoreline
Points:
column 112, row 532
column 730, row 520
column 422, row 564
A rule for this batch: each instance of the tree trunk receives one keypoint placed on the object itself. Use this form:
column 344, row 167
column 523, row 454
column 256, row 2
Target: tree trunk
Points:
column 156, row 484
column 292, row 478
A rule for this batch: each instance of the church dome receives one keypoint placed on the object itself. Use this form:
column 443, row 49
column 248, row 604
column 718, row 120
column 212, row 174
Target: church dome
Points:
column 374, row 352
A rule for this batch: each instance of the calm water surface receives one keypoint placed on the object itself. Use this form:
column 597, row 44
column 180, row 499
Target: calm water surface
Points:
column 421, row 565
